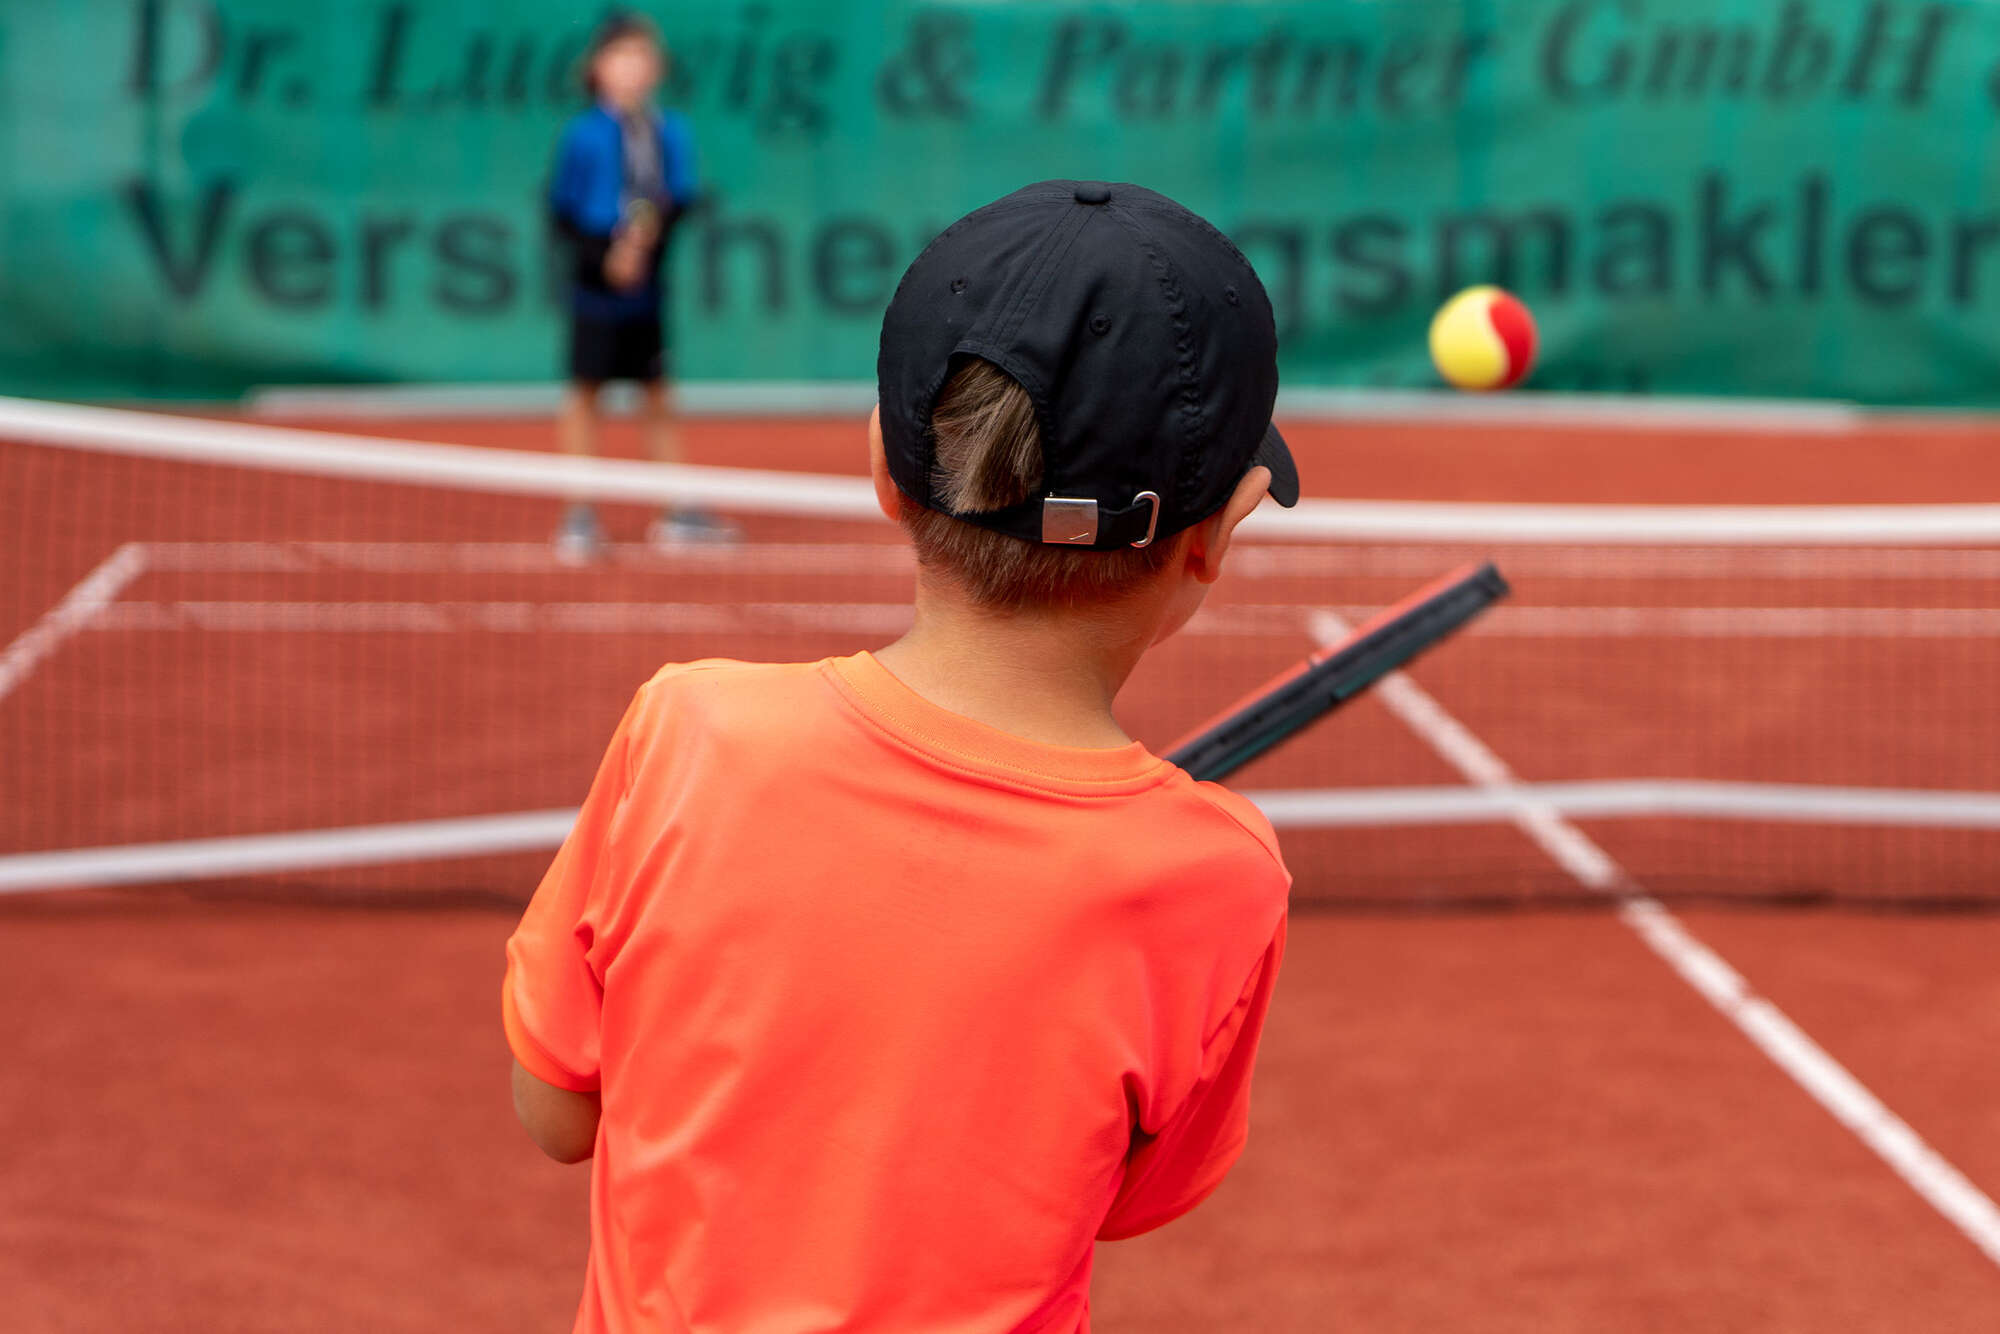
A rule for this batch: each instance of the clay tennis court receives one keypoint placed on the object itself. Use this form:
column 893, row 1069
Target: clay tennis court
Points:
column 278, row 1102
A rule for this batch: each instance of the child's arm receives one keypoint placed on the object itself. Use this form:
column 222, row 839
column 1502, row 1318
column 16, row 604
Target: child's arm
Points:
column 563, row 1123
column 551, row 1002
column 1173, row 1167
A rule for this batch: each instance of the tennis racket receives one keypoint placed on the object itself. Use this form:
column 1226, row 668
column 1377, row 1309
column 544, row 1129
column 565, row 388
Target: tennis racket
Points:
column 1286, row 704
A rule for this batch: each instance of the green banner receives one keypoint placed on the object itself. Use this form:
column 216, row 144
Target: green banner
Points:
column 1694, row 196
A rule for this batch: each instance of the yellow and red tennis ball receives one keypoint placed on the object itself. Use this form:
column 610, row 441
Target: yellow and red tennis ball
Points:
column 1483, row 338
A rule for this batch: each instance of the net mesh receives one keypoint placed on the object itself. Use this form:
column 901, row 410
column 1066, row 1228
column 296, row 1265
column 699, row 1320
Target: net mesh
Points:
column 235, row 652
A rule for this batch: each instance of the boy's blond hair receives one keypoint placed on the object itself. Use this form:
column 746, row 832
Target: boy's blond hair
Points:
column 988, row 455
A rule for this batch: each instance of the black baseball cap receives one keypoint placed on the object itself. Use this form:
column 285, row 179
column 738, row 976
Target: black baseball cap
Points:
column 1142, row 336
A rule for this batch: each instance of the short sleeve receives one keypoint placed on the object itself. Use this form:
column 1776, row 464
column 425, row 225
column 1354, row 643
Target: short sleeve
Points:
column 1171, row 1171
column 552, row 999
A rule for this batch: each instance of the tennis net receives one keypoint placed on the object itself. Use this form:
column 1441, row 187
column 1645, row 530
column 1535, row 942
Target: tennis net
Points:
column 237, row 653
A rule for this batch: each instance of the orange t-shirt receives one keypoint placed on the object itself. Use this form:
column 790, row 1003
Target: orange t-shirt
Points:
column 892, row 1013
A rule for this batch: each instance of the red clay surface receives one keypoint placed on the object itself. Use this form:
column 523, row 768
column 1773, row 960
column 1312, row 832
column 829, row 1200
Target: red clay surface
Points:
column 262, row 1107
column 1912, row 1004
column 1507, row 1124
column 258, row 1117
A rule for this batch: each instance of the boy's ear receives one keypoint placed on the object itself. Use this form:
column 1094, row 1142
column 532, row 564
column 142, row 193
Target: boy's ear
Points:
column 1213, row 534
column 886, row 494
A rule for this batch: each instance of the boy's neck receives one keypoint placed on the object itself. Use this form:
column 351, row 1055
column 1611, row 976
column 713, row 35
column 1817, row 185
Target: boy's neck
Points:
column 1047, row 676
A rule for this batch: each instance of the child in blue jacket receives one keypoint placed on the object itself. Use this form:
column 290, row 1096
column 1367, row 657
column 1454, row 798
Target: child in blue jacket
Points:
column 624, row 174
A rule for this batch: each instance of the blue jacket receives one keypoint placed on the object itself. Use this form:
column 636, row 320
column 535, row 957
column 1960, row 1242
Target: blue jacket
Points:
column 588, row 195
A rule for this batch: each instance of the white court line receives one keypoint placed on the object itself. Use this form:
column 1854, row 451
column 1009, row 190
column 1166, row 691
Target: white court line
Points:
column 269, row 854
column 1850, row 1102
column 621, row 618
column 1742, row 622
column 1627, row 525
column 756, row 557
column 515, row 617
column 607, row 617
column 75, row 612
column 1632, row 798
column 1268, row 560
column 1424, row 560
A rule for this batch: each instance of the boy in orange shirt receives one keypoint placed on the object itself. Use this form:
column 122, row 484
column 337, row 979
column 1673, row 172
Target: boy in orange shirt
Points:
column 877, row 989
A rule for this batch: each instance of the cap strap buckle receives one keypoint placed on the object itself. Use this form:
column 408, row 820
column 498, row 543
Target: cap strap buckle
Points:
column 1069, row 521
column 1072, row 521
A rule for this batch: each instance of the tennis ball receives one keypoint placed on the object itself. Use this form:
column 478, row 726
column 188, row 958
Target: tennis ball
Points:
column 1483, row 338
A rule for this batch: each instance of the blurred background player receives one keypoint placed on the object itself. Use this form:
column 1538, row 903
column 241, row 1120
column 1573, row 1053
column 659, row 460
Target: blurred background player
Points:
column 624, row 174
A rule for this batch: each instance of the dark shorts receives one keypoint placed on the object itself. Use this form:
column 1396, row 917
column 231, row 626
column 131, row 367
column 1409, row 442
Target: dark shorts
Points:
column 620, row 349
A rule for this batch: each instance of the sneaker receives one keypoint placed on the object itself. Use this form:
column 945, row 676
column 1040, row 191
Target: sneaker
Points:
column 684, row 525
column 581, row 537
